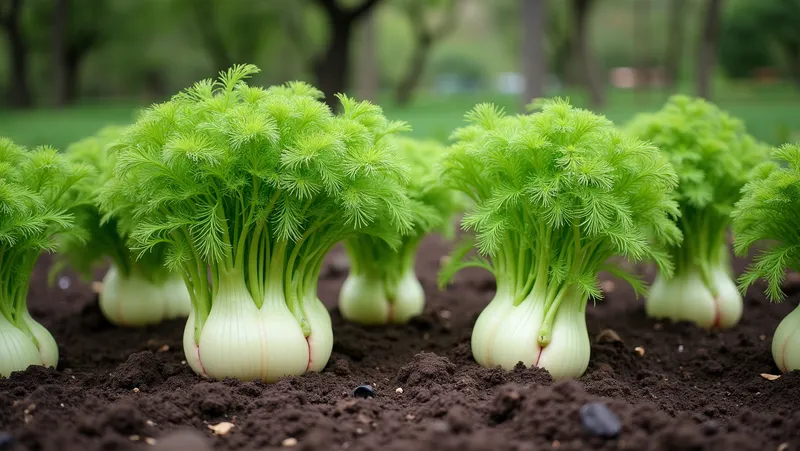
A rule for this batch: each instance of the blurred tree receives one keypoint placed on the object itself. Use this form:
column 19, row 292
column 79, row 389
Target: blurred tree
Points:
column 331, row 68
column 235, row 31
column 368, row 73
column 780, row 23
column 19, row 92
column 641, row 40
column 74, row 32
column 674, row 51
column 534, row 52
column 743, row 44
column 581, row 10
column 430, row 20
column 706, row 55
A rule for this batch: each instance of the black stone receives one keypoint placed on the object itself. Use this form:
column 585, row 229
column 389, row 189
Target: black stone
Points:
column 599, row 420
column 364, row 391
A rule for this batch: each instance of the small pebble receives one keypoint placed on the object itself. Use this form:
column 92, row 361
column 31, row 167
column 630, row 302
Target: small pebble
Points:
column 164, row 348
column 6, row 440
column 364, row 391
column 136, row 389
column 762, row 337
column 770, row 377
column 783, row 447
column 399, row 390
column 134, row 438
column 639, row 351
column 64, row 283
column 289, row 442
column 680, row 348
column 599, row 420
column 221, row 428
column 150, row 441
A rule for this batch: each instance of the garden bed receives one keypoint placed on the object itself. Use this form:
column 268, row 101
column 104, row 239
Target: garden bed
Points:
column 682, row 389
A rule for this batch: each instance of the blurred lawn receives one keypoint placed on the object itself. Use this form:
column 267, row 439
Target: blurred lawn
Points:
column 772, row 114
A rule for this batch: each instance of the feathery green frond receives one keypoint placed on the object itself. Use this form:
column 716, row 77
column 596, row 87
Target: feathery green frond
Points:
column 769, row 213
column 557, row 193
column 431, row 209
column 34, row 211
column 237, row 179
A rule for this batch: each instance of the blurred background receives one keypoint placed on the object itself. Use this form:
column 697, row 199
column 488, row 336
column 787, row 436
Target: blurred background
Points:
column 68, row 67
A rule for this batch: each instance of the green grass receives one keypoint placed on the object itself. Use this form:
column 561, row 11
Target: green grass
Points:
column 772, row 114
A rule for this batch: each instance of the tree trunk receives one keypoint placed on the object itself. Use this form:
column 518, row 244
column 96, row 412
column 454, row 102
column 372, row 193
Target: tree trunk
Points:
column 534, row 58
column 19, row 93
column 58, row 39
column 72, row 67
column 588, row 71
column 204, row 16
column 368, row 75
column 416, row 67
column 331, row 69
column 706, row 57
column 641, row 39
column 672, row 60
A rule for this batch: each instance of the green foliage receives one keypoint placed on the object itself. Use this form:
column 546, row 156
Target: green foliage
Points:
column 713, row 156
column 760, row 33
column 710, row 150
column 559, row 192
column 257, row 182
column 33, row 212
column 743, row 46
column 99, row 236
column 769, row 212
column 432, row 207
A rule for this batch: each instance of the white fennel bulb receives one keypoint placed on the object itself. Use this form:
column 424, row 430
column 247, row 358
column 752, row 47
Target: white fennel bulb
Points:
column 135, row 301
column 786, row 342
column 687, row 297
column 506, row 334
column 366, row 299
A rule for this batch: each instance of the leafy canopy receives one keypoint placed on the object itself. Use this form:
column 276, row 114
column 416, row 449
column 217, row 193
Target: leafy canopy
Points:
column 33, row 212
column 432, row 207
column 260, row 182
column 557, row 193
column 710, row 150
column 769, row 211
column 713, row 156
column 99, row 236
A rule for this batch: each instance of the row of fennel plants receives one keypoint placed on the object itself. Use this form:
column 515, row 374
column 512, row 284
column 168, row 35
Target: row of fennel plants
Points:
column 240, row 192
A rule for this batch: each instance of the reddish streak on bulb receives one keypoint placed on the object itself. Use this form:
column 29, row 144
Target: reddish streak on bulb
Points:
column 308, row 343
column 717, row 314
column 539, row 357
column 390, row 314
column 784, row 366
column 200, row 362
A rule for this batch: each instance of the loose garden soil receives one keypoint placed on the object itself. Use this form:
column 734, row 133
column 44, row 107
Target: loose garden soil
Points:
column 673, row 386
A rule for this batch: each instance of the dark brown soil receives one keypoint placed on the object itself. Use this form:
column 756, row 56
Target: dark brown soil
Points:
column 118, row 389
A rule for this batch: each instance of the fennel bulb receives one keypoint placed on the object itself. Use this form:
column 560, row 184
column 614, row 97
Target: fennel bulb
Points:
column 135, row 301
